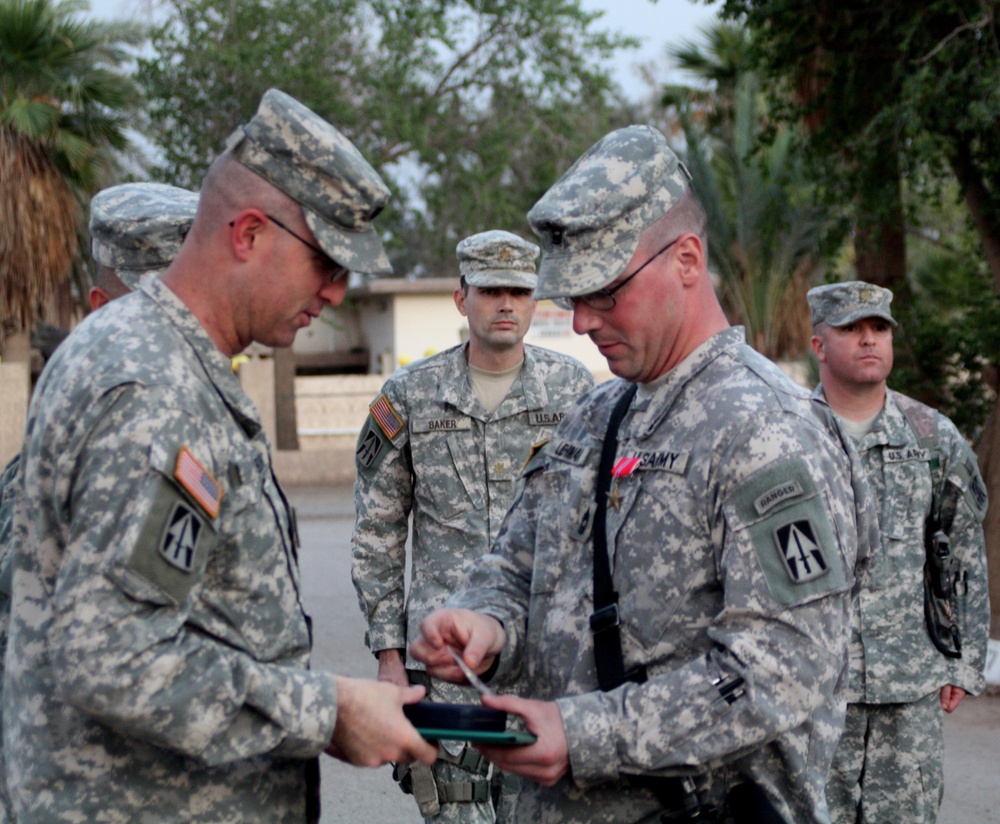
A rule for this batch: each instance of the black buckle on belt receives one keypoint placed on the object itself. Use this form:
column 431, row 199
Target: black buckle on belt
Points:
column 605, row 618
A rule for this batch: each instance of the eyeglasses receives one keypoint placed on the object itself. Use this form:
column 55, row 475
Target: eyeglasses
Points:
column 603, row 300
column 329, row 264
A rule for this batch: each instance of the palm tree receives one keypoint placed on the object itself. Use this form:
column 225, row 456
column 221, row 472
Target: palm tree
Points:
column 65, row 103
column 764, row 232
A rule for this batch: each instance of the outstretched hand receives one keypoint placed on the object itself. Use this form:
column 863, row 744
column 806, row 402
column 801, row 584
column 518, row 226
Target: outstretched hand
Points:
column 371, row 729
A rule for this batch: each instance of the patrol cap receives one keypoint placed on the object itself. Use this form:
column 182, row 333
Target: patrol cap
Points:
column 295, row 150
column 497, row 258
column 839, row 304
column 137, row 228
column 590, row 221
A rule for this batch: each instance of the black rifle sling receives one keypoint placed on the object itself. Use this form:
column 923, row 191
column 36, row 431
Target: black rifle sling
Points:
column 604, row 623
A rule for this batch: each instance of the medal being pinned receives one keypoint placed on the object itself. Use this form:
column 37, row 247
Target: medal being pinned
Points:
column 622, row 469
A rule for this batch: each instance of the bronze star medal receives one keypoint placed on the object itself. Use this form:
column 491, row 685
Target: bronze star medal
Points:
column 622, row 469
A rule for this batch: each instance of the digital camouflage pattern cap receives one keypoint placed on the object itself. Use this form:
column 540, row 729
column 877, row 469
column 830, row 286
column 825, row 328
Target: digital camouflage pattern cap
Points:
column 838, row 304
column 137, row 228
column 590, row 220
column 297, row 151
column 498, row 258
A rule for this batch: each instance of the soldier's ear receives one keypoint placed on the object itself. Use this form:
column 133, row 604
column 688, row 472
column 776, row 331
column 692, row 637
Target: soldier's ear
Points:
column 816, row 342
column 459, row 296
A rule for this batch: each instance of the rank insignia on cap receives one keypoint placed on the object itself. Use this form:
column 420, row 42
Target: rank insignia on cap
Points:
column 180, row 538
column 198, row 482
column 800, row 551
column 385, row 416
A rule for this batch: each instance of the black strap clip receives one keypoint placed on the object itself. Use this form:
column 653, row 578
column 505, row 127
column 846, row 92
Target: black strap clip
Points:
column 605, row 618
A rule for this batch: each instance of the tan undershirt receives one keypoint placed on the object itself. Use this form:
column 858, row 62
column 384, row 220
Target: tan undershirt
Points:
column 492, row 387
column 858, row 429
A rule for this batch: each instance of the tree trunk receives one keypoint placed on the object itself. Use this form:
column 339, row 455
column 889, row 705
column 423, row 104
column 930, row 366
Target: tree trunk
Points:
column 880, row 231
column 977, row 198
column 988, row 452
column 286, row 428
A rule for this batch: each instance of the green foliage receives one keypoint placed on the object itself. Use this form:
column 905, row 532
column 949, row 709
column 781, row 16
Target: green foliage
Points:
column 64, row 86
column 952, row 320
column 900, row 103
column 66, row 101
column 765, row 235
column 469, row 109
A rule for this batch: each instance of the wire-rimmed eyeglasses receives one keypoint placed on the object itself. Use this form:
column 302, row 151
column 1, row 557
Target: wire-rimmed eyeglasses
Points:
column 329, row 264
column 603, row 300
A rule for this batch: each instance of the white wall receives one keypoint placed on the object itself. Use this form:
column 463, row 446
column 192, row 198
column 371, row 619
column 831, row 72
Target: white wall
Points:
column 425, row 325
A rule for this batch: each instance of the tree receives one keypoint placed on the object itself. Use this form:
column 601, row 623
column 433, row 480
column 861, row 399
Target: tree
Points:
column 65, row 103
column 470, row 110
column 765, row 234
column 899, row 100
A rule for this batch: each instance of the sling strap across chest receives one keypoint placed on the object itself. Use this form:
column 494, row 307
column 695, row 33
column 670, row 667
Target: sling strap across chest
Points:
column 605, row 623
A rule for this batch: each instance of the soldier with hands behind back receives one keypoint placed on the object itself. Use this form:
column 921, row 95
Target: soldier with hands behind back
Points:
column 444, row 443
column 921, row 616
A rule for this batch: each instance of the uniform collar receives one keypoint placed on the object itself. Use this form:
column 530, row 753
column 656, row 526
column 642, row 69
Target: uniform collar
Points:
column 218, row 368
column 681, row 375
column 458, row 391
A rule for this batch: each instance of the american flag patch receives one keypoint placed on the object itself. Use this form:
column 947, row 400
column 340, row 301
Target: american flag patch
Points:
column 385, row 416
column 198, row 482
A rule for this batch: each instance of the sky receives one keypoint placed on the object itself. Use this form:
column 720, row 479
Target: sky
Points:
column 657, row 24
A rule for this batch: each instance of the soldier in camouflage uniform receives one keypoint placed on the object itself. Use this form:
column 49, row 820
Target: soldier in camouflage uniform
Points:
column 889, row 764
column 158, row 659
column 731, row 532
column 445, row 441
column 136, row 230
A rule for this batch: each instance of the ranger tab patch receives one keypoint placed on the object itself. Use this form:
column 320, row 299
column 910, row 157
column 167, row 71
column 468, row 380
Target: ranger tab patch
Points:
column 385, row 416
column 180, row 537
column 198, row 482
column 800, row 550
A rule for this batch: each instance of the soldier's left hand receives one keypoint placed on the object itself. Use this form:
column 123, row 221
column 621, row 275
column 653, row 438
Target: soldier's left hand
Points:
column 951, row 696
column 545, row 761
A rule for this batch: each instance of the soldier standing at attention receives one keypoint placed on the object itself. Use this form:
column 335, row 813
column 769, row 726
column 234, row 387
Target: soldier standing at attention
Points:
column 889, row 765
column 672, row 584
column 445, row 441
column 158, row 659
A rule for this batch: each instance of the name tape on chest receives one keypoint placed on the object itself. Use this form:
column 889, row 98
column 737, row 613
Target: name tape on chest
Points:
column 568, row 452
column 906, row 453
column 665, row 460
column 198, row 482
column 441, row 425
column 545, row 418
column 385, row 416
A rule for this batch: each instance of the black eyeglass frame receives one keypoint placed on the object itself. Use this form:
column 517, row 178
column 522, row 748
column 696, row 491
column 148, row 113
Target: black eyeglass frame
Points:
column 605, row 298
column 330, row 263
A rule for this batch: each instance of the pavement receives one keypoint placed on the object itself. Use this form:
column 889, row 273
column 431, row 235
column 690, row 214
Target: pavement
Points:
column 370, row 796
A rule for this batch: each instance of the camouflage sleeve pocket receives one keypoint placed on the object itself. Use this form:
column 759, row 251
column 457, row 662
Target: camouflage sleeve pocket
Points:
column 788, row 525
column 173, row 545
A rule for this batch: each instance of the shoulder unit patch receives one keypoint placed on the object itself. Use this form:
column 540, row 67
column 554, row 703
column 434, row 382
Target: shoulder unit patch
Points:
column 800, row 550
column 180, row 537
